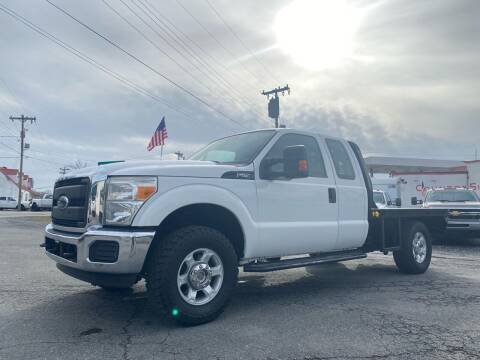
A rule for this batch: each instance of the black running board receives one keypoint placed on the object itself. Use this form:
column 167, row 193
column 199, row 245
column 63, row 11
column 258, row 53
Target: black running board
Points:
column 304, row 261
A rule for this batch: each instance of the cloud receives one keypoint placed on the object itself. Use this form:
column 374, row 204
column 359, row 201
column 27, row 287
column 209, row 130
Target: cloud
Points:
column 410, row 89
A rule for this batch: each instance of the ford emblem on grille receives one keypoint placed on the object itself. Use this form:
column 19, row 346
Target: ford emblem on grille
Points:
column 62, row 202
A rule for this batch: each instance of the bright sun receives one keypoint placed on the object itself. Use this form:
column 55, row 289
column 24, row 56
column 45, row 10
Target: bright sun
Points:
column 317, row 33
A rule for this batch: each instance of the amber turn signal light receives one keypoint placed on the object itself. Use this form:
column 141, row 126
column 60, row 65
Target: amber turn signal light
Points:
column 302, row 165
column 144, row 192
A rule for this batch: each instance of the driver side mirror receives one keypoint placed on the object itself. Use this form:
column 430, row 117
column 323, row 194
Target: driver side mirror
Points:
column 416, row 201
column 294, row 164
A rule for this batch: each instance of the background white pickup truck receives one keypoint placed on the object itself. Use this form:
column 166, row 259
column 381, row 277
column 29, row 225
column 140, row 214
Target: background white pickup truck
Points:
column 463, row 206
column 247, row 200
column 43, row 203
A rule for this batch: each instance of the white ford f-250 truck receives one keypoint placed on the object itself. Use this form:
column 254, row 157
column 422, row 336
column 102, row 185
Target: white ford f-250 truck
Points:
column 248, row 200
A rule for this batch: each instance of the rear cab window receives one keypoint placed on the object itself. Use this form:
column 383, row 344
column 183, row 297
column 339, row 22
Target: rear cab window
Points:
column 341, row 160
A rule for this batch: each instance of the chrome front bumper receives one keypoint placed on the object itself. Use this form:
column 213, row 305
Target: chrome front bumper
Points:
column 133, row 248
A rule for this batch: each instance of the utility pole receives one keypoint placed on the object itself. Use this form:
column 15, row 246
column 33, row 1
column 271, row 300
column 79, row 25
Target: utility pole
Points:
column 180, row 155
column 22, row 120
column 274, row 102
column 63, row 170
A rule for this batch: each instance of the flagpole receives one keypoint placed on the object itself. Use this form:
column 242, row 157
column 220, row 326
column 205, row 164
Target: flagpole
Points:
column 161, row 152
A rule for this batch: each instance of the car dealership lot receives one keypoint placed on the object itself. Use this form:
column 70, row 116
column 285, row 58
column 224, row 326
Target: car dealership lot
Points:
column 359, row 309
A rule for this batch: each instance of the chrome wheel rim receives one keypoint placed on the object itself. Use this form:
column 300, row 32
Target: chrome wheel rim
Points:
column 200, row 276
column 419, row 247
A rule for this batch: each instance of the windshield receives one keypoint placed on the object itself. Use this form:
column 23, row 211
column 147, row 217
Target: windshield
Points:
column 452, row 196
column 237, row 149
column 378, row 197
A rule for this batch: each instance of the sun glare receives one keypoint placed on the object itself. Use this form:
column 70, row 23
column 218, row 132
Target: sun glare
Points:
column 317, row 34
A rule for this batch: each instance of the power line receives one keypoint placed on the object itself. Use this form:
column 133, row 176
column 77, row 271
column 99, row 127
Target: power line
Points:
column 212, row 74
column 127, row 83
column 163, row 38
column 9, row 147
column 142, row 34
column 9, row 90
column 59, row 157
column 8, row 130
column 192, row 42
column 190, row 56
column 28, row 156
column 8, row 125
column 55, row 163
column 216, row 40
column 172, row 82
column 240, row 40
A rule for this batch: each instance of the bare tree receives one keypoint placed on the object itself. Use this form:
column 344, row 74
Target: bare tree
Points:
column 78, row 164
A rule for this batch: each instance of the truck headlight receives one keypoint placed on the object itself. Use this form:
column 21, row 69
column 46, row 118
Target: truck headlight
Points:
column 125, row 196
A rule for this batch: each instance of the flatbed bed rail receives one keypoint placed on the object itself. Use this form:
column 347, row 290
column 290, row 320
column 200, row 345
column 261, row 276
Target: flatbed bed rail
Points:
column 387, row 226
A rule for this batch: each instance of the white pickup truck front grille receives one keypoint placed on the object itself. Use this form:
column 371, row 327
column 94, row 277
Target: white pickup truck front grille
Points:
column 70, row 202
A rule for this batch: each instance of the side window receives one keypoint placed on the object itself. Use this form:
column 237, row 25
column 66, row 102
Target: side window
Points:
column 3, row 198
column 316, row 164
column 341, row 160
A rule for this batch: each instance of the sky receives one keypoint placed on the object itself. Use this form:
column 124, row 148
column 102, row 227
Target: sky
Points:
column 399, row 77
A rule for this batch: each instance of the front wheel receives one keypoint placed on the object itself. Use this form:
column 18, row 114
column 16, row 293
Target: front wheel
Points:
column 191, row 274
column 415, row 253
column 34, row 207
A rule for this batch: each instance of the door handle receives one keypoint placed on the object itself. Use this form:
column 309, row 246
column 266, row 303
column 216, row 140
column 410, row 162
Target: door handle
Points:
column 332, row 195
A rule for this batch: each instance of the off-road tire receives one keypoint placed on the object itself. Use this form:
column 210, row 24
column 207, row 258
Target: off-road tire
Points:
column 405, row 259
column 163, row 266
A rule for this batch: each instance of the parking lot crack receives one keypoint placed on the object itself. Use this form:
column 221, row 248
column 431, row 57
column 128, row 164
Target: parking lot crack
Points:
column 126, row 331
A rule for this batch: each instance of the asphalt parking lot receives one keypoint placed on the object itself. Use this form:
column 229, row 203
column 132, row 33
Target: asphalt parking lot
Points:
column 357, row 310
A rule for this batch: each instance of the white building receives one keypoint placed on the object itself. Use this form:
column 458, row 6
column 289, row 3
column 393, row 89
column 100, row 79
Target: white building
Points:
column 412, row 177
column 9, row 184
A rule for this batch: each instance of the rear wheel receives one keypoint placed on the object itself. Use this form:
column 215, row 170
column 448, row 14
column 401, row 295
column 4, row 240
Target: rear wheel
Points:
column 191, row 274
column 35, row 207
column 416, row 252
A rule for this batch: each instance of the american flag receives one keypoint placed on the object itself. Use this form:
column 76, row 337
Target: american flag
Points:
column 159, row 135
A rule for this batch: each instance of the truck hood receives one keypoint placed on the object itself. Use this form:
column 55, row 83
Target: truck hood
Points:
column 453, row 205
column 183, row 168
